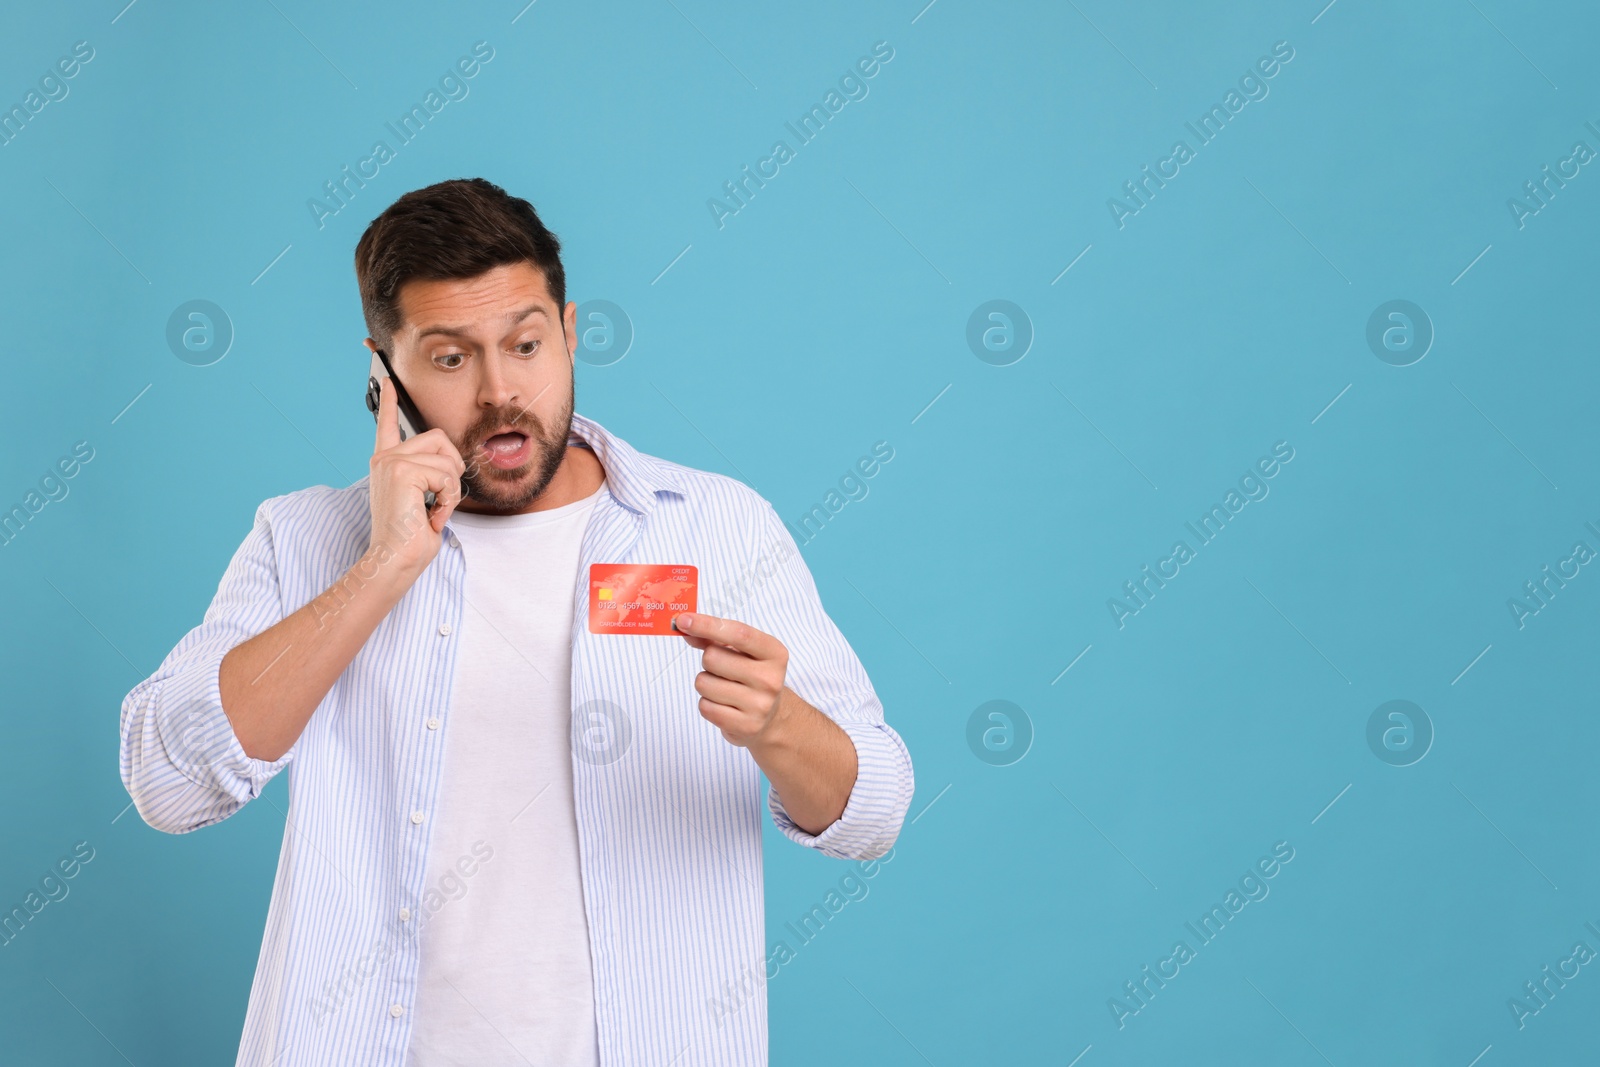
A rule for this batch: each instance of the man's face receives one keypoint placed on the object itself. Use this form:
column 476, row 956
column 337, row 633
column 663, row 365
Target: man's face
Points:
column 485, row 360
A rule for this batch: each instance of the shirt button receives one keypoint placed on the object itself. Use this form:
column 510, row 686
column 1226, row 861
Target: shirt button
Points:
column 416, row 818
column 433, row 724
column 444, row 629
column 396, row 1010
column 405, row 914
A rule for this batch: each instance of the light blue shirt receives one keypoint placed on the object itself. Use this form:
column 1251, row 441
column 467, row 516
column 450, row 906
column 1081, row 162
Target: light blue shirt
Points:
column 668, row 812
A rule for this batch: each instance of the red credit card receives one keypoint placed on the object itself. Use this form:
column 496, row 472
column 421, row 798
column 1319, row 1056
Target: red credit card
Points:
column 639, row 598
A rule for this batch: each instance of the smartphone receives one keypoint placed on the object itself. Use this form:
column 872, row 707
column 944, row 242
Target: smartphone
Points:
column 407, row 416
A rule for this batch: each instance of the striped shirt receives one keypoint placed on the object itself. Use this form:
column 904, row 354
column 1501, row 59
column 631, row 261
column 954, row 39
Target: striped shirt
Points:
column 668, row 812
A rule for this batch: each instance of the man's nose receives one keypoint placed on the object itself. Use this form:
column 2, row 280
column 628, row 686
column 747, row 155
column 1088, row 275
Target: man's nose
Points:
column 495, row 389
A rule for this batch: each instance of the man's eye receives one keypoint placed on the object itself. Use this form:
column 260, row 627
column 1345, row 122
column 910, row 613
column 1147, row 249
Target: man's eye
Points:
column 449, row 355
column 528, row 348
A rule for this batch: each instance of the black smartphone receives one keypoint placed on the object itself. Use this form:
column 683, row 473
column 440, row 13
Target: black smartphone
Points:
column 406, row 414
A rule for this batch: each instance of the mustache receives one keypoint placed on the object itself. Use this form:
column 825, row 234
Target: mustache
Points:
column 523, row 422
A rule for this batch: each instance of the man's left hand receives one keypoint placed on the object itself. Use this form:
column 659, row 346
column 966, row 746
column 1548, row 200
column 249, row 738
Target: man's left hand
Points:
column 741, row 684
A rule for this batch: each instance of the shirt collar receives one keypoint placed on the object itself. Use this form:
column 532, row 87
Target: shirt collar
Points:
column 634, row 477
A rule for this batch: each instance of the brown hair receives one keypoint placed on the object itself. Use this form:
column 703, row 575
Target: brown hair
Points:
column 451, row 230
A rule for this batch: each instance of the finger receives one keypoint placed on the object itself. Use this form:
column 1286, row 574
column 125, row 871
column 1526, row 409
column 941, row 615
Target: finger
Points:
column 426, row 447
column 730, row 632
column 721, row 715
column 735, row 666
column 419, row 475
column 388, row 416
column 723, row 690
column 434, row 442
column 445, row 500
column 438, row 471
column 444, row 505
column 414, row 479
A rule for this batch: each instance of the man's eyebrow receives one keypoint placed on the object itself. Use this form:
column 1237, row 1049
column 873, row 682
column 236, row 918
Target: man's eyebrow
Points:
column 462, row 331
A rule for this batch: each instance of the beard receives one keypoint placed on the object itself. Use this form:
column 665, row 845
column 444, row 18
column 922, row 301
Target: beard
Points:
column 508, row 492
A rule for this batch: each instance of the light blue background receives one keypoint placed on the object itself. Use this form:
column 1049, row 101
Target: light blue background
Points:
column 824, row 317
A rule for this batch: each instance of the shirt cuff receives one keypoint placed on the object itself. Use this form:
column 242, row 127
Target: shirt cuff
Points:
column 199, row 739
column 878, row 801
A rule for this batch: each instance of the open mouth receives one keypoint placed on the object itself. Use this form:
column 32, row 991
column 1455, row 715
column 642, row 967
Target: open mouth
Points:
column 508, row 450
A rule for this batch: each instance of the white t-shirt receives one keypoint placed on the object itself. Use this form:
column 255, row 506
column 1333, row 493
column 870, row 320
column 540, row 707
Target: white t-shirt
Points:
column 505, row 974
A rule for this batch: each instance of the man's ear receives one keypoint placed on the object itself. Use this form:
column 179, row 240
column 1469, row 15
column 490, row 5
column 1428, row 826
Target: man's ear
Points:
column 372, row 346
column 569, row 315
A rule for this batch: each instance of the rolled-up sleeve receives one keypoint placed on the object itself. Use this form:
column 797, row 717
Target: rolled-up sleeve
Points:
column 180, row 759
column 825, row 671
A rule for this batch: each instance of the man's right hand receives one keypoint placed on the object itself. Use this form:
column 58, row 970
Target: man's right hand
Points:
column 401, row 472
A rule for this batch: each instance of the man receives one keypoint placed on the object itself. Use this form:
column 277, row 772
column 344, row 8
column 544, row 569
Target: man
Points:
column 511, row 839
